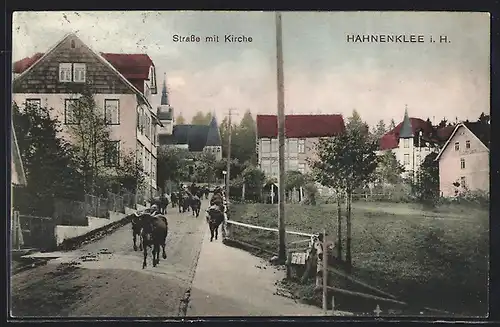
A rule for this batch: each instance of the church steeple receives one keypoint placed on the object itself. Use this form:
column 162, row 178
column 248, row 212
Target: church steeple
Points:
column 164, row 92
column 406, row 130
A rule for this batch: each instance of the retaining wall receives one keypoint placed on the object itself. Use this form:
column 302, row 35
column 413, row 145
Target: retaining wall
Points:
column 67, row 232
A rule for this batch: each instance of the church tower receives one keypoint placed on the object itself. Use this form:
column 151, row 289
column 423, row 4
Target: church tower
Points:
column 214, row 140
column 165, row 111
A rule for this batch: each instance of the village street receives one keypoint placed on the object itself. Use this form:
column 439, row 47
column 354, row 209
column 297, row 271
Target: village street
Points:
column 199, row 278
column 105, row 278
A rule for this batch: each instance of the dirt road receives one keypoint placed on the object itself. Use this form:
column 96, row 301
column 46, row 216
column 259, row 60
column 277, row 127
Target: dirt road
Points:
column 105, row 278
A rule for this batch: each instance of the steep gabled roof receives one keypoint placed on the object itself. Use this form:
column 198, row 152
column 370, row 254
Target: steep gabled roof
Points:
column 195, row 136
column 213, row 135
column 25, row 65
column 301, row 126
column 480, row 130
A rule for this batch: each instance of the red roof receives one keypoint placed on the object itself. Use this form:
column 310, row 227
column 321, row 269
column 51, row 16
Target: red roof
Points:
column 301, row 126
column 134, row 67
column 390, row 140
column 25, row 63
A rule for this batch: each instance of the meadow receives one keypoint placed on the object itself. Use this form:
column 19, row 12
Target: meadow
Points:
column 437, row 257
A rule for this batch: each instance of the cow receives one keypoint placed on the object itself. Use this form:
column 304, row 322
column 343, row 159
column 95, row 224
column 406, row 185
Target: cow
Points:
column 184, row 201
column 154, row 234
column 136, row 230
column 217, row 200
column 163, row 204
column 175, row 199
column 215, row 217
column 195, row 204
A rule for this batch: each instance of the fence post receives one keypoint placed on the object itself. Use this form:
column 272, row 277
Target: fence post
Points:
column 325, row 272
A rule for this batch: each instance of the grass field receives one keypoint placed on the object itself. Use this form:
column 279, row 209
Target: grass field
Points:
column 436, row 257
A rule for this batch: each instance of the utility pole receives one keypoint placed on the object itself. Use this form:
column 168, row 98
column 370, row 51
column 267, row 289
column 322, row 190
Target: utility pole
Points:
column 281, row 139
column 228, row 168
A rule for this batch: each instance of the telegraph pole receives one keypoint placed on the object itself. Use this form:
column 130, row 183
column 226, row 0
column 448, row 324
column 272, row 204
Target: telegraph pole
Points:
column 228, row 168
column 281, row 138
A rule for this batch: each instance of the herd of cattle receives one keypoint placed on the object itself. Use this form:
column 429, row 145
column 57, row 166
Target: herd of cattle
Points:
column 151, row 225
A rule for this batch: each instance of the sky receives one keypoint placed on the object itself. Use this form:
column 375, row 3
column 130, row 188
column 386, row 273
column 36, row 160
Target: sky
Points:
column 323, row 73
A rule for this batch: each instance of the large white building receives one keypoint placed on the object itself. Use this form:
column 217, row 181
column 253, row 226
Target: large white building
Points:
column 123, row 85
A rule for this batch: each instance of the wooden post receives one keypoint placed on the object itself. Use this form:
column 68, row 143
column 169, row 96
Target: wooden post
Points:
column 325, row 273
column 289, row 265
column 243, row 192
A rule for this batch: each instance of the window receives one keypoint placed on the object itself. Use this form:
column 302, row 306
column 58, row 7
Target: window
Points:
column 302, row 168
column 457, row 146
column 65, row 72
column 155, row 134
column 266, row 145
column 293, row 164
column 406, row 159
column 463, row 181
column 153, row 168
column 140, row 154
column 70, row 114
column 148, row 126
column 140, row 119
column 35, row 103
column 467, row 144
column 302, row 146
column 462, row 163
column 406, row 143
column 73, row 44
column 274, row 169
column 147, row 164
column 274, row 145
column 265, row 166
column 79, row 72
column 112, row 112
column 111, row 153
column 292, row 146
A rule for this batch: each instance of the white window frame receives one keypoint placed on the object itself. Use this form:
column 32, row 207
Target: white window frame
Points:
column 293, row 146
column 274, row 145
column 265, row 145
column 79, row 72
column 457, row 146
column 467, row 144
column 108, row 115
column 406, row 159
column 406, row 143
column 462, row 163
column 301, row 146
column 65, row 68
column 302, row 167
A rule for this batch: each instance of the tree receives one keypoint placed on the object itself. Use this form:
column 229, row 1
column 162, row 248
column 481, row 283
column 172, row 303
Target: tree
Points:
column 179, row 120
column 356, row 123
column 379, row 130
column 244, row 140
column 345, row 163
column 224, row 134
column 389, row 169
column 254, row 179
column 47, row 159
column 205, row 167
column 426, row 185
column 392, row 125
column 201, row 119
column 129, row 175
column 90, row 136
column 171, row 164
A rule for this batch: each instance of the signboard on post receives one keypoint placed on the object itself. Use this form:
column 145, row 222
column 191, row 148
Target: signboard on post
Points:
column 299, row 258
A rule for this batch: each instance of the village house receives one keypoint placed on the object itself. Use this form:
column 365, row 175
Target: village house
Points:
column 123, row 85
column 464, row 161
column 412, row 140
column 302, row 133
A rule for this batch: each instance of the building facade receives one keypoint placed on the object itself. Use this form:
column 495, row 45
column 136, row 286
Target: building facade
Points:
column 302, row 134
column 123, row 86
column 412, row 140
column 464, row 160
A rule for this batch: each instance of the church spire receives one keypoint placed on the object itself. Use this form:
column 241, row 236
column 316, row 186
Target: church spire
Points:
column 406, row 130
column 164, row 92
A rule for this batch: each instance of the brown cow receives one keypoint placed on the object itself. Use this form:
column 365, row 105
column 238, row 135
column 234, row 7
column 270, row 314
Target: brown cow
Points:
column 154, row 234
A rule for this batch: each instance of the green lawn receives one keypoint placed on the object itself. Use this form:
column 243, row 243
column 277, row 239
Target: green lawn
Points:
column 437, row 257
